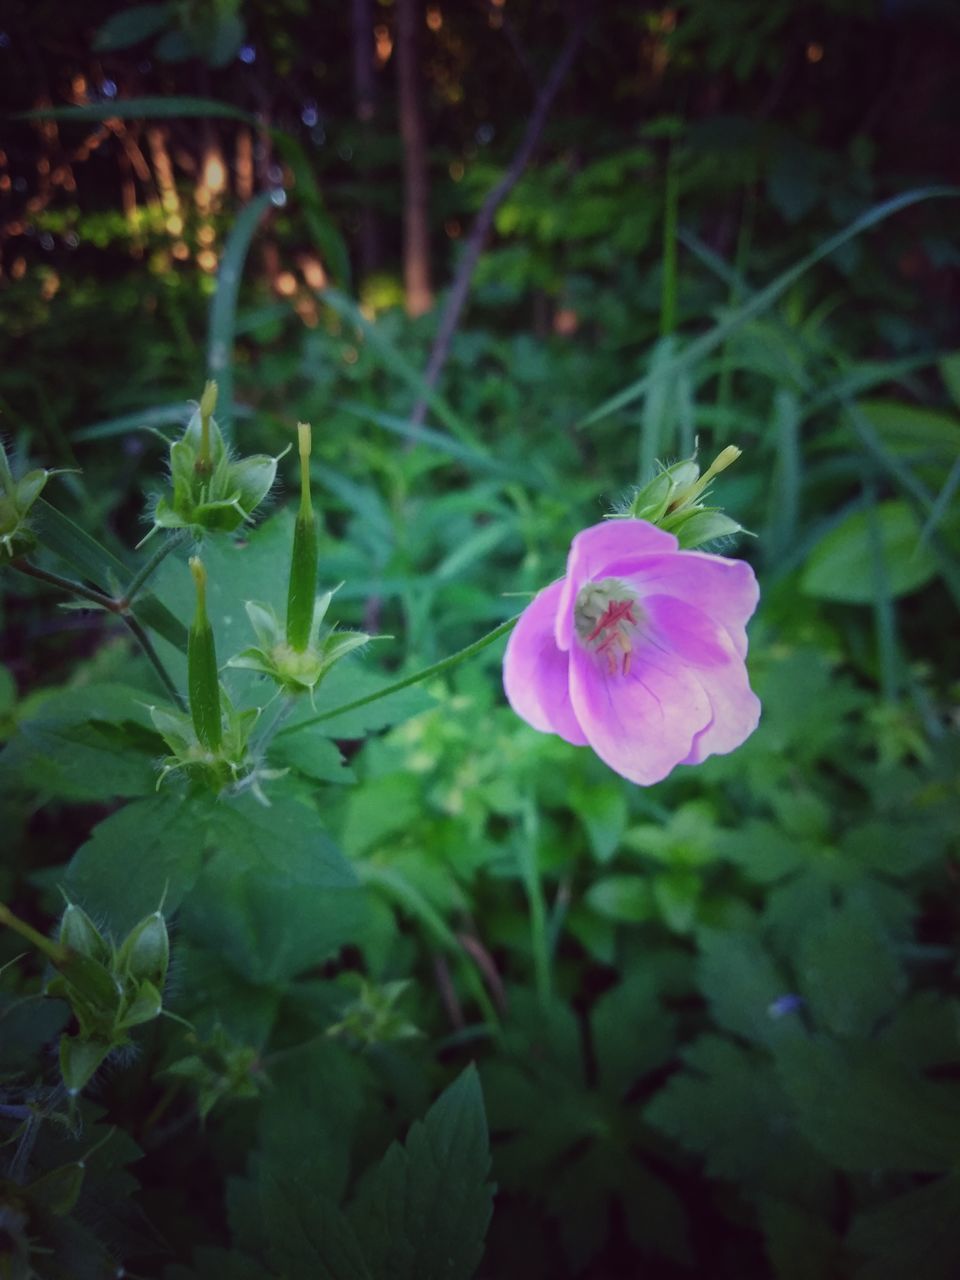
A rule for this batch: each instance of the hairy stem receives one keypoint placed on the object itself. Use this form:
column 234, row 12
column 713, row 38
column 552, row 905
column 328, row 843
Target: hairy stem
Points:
column 436, row 669
column 150, row 653
column 149, row 569
column 51, row 949
column 65, row 584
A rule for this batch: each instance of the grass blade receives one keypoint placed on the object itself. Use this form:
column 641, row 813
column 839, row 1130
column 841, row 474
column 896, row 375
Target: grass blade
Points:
column 223, row 309
column 767, row 296
column 397, row 364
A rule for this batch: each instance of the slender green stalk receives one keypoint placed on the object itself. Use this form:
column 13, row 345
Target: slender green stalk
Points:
column 147, row 571
column 149, row 652
column 65, row 584
column 51, row 949
column 436, row 669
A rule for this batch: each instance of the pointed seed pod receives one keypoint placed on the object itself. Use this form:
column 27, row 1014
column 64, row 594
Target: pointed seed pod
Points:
column 80, row 934
column 202, row 678
column 301, row 594
column 145, row 952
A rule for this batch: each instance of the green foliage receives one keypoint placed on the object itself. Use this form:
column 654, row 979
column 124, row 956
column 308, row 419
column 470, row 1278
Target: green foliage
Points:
column 713, row 1023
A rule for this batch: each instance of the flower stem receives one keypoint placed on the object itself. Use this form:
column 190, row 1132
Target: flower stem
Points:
column 151, row 655
column 147, row 571
column 65, row 584
column 436, row 669
column 51, row 949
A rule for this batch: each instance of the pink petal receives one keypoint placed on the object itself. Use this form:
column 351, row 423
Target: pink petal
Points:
column 535, row 672
column 644, row 723
column 725, row 590
column 709, row 652
column 593, row 549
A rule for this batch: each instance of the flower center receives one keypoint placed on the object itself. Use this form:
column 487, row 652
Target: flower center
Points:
column 606, row 614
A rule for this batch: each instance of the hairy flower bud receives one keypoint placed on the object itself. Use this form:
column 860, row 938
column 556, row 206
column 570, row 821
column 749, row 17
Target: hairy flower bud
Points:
column 145, row 952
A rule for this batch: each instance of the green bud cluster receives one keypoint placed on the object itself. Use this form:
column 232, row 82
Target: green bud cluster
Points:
column 219, row 1070
column 213, row 491
column 110, row 989
column 16, row 499
column 674, row 501
column 373, row 1017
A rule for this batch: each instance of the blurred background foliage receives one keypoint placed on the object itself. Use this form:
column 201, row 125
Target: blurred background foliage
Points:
column 716, row 1021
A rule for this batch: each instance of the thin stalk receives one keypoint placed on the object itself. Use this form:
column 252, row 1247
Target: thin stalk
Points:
column 65, row 584
column 150, row 653
column 436, row 669
column 51, row 949
column 147, row 571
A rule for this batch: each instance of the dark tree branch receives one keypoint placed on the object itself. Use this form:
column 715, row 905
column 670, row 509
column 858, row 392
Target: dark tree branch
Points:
column 473, row 246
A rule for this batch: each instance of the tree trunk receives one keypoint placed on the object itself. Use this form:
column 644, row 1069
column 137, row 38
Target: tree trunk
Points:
column 416, row 182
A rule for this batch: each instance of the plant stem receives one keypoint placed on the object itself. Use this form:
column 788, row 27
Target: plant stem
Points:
column 65, row 584
column 436, row 669
column 150, row 653
column 147, row 571
column 51, row 949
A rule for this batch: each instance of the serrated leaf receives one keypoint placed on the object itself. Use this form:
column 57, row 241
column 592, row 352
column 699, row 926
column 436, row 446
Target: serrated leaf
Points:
column 147, row 852
column 911, row 1235
column 742, row 983
column 277, row 896
column 423, row 1213
column 632, row 1033
column 867, row 1112
column 847, row 971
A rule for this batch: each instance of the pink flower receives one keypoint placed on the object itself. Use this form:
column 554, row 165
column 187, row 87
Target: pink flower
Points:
column 638, row 652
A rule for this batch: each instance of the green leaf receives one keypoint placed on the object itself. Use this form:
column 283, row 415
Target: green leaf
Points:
column 423, row 1212
column 90, row 743
column 223, row 309
column 172, row 108
column 312, row 755
column 145, row 853
column 625, row 898
column 842, row 566
column 602, row 808
column 800, row 1245
column 729, row 1109
column 848, row 972
column 130, row 26
column 867, row 1112
column 309, row 1237
column 632, row 1033
column 26, row 1025
column 309, row 1118
column 276, row 897
column 742, row 984
column 912, row 1235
